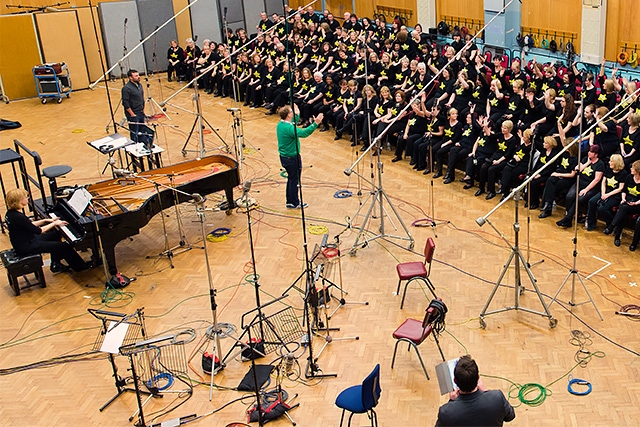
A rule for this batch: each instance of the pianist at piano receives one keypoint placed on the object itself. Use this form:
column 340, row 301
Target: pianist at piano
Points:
column 36, row 237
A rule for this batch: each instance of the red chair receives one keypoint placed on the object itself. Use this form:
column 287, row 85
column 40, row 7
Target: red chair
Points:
column 414, row 331
column 417, row 270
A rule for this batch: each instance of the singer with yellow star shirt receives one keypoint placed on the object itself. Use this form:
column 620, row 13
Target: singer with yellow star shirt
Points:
column 601, row 205
column 629, row 205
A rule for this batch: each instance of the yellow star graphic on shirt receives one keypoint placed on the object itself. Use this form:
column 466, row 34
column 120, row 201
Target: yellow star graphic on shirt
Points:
column 512, row 106
column 380, row 110
column 329, row 94
column 598, row 131
column 476, row 94
column 561, row 93
column 520, row 154
column 399, row 76
column 545, row 87
column 467, row 132
column 299, row 55
column 405, row 47
column 281, row 30
column 533, row 85
column 383, row 72
column 394, row 111
column 320, row 39
column 281, row 79
column 430, row 127
column 481, row 142
column 627, row 140
column 336, row 43
column 543, row 160
column 602, row 97
column 637, row 110
column 269, row 76
column 340, row 100
column 494, row 76
column 564, row 163
column 174, row 55
column 305, row 86
column 314, row 57
column 312, row 90
column 351, row 100
column 264, row 27
column 448, row 132
column 442, row 86
column 256, row 74
column 465, row 70
column 190, row 54
column 323, row 59
column 360, row 67
column 494, row 102
column 412, row 122
column 420, row 86
column 351, row 48
column 612, row 182
column 460, row 90
column 588, row 171
column 633, row 190
column 502, row 146
column 345, row 64
column 625, row 104
column 583, row 95
column 227, row 67
column 392, row 36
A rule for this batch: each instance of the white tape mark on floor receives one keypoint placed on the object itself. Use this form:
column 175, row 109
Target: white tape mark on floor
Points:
column 607, row 264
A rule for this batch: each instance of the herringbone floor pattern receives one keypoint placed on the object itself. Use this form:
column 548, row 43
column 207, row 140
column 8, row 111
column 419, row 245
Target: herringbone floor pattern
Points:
column 519, row 346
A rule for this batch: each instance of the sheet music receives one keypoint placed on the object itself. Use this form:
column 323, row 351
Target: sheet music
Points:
column 111, row 143
column 79, row 201
column 114, row 337
column 444, row 372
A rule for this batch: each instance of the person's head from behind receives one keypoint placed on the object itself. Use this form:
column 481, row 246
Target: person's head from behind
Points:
column 17, row 198
column 285, row 113
column 466, row 374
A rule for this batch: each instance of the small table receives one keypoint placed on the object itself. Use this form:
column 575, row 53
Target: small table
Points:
column 8, row 155
column 138, row 153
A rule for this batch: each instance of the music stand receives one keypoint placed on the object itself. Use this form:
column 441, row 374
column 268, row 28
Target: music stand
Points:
column 117, row 329
column 109, row 145
column 157, row 364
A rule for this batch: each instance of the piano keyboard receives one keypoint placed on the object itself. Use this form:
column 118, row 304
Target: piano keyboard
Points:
column 68, row 234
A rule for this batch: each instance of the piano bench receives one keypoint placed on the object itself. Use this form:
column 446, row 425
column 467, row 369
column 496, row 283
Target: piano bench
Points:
column 17, row 266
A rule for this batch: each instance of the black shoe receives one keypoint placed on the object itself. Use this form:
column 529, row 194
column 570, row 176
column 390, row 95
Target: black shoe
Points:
column 467, row 186
column 419, row 169
column 447, row 181
column 545, row 213
column 616, row 240
column 324, row 128
column 504, row 196
column 534, row 205
column 169, row 79
column 438, row 174
column 353, row 144
column 632, row 247
column 269, row 113
column 246, row 104
column 480, row 192
column 564, row 222
column 427, row 171
column 490, row 195
column 396, row 159
column 608, row 230
column 412, row 163
column 57, row 267
column 546, row 206
column 338, row 136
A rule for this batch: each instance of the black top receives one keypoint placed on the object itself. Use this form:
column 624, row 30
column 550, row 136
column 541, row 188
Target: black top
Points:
column 588, row 174
column 133, row 97
column 631, row 189
column 480, row 408
column 21, row 231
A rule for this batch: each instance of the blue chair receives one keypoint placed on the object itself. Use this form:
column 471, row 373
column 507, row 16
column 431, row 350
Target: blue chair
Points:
column 361, row 399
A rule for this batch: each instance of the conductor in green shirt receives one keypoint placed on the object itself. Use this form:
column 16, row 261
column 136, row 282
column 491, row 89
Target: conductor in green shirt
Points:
column 289, row 149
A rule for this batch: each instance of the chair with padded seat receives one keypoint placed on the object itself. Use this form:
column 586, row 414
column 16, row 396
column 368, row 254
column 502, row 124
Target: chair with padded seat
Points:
column 414, row 331
column 417, row 270
column 20, row 266
column 361, row 399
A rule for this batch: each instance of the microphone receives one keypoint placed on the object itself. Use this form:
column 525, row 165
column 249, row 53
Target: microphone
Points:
column 126, row 20
column 245, row 188
column 195, row 38
column 123, row 172
column 197, row 198
column 348, row 172
column 481, row 221
column 224, row 12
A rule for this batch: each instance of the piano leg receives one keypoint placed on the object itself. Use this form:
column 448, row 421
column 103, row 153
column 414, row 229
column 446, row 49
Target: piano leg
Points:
column 230, row 201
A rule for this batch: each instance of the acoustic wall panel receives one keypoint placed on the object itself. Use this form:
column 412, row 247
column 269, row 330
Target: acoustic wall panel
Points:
column 116, row 20
column 205, row 21
column 20, row 52
column 235, row 14
column 252, row 9
column 153, row 14
column 61, row 42
column 183, row 21
column 275, row 6
column 92, row 46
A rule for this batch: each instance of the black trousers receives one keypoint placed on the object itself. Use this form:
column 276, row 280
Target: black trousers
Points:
column 50, row 243
column 457, row 152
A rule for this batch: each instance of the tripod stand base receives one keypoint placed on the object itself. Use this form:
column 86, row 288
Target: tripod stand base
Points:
column 573, row 273
column 312, row 371
column 117, row 395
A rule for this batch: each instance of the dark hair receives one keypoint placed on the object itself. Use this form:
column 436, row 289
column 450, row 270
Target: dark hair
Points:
column 466, row 374
column 130, row 72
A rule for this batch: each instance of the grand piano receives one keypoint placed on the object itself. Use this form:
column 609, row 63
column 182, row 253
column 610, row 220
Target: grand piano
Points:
column 125, row 205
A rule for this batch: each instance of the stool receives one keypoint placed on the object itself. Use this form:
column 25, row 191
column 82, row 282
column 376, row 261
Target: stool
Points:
column 17, row 266
column 53, row 172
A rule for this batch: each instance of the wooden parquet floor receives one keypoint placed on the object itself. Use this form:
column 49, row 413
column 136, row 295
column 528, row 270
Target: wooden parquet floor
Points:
column 516, row 345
